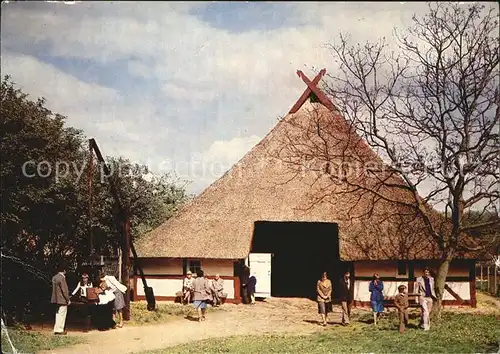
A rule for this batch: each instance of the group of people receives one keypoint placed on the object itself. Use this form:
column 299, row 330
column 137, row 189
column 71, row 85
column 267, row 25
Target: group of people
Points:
column 324, row 289
column 202, row 291
column 108, row 298
column 423, row 289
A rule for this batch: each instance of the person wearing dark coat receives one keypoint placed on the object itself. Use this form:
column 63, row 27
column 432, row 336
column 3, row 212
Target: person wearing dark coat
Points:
column 60, row 297
column 252, row 282
column 345, row 294
column 245, row 277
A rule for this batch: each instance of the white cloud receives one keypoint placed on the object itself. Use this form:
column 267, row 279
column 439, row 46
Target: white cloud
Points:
column 100, row 111
column 212, row 84
column 230, row 151
column 45, row 80
column 179, row 92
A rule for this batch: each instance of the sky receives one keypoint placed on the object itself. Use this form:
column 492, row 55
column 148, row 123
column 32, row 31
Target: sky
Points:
column 182, row 87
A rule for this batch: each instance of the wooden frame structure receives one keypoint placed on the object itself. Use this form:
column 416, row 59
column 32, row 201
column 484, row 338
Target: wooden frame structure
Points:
column 221, row 244
column 312, row 88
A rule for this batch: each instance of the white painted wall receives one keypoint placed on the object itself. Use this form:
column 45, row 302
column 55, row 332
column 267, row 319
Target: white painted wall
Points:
column 168, row 287
column 361, row 292
column 161, row 287
column 461, row 288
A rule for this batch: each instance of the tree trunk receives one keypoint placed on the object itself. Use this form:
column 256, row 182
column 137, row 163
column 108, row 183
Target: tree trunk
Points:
column 440, row 282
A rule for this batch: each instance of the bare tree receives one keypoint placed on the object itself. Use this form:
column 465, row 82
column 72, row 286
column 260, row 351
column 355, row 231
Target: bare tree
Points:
column 427, row 103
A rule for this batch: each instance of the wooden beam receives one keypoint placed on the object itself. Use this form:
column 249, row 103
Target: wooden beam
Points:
column 124, row 229
column 321, row 96
column 91, row 176
column 307, row 91
column 472, row 283
column 125, row 263
column 454, row 294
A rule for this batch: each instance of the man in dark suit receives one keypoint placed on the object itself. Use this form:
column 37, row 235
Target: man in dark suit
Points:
column 60, row 297
column 345, row 293
column 244, row 278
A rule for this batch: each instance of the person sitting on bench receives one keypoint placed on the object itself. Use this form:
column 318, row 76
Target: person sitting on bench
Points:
column 218, row 289
column 187, row 288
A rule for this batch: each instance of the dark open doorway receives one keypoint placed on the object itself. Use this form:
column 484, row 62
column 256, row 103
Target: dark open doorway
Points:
column 301, row 252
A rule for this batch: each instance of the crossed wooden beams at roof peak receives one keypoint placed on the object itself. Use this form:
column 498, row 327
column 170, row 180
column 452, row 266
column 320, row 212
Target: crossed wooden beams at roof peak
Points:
column 312, row 87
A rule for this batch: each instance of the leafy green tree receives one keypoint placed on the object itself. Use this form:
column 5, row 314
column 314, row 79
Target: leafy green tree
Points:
column 46, row 216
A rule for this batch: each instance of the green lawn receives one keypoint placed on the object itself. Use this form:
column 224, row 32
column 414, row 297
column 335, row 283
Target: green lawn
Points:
column 456, row 333
column 32, row 341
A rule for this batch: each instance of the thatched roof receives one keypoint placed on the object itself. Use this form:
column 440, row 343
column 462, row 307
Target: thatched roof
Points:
column 267, row 184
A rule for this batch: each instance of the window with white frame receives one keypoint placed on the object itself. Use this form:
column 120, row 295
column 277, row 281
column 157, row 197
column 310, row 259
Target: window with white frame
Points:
column 402, row 271
column 193, row 265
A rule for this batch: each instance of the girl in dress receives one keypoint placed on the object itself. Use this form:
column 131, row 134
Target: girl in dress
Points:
column 377, row 297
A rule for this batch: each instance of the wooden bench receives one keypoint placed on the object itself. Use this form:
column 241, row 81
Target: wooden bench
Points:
column 223, row 298
column 178, row 297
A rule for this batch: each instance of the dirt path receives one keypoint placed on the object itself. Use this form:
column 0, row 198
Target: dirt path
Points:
column 272, row 316
column 294, row 316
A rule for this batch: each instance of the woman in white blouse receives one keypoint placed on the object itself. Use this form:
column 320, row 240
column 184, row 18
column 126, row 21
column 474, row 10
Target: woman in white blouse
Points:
column 83, row 285
column 118, row 290
column 103, row 314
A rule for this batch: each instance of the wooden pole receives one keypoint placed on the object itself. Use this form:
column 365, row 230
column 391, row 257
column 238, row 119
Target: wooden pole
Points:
column 125, row 263
column 120, row 262
column 91, row 173
column 123, row 224
column 495, row 270
column 481, row 277
column 488, row 275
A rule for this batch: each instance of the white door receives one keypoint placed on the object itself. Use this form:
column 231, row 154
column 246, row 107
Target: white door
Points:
column 260, row 268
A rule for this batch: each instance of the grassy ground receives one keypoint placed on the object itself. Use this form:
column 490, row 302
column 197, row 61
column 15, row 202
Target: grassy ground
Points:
column 31, row 341
column 456, row 333
column 165, row 312
column 487, row 302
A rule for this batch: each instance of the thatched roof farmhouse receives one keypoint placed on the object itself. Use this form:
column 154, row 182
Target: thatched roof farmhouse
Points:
column 281, row 199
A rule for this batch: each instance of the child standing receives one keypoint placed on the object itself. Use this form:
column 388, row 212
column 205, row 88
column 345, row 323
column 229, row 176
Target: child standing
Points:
column 401, row 302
